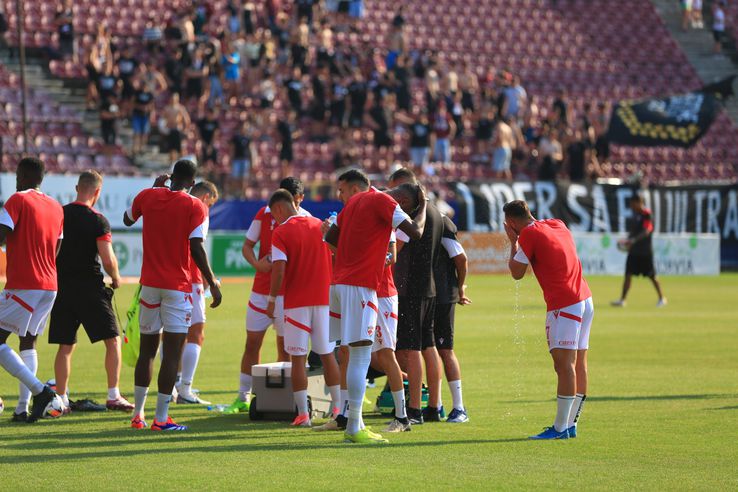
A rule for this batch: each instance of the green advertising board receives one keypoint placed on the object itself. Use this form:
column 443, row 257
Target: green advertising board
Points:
column 226, row 258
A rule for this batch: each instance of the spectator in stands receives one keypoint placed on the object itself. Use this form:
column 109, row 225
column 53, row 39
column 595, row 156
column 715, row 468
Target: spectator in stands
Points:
column 550, row 154
column 215, row 82
column 504, row 143
column 251, row 54
column 153, row 35
column 324, row 50
column 64, row 23
column 288, row 132
column 174, row 68
column 319, row 104
column 300, row 41
column 560, row 110
column 109, row 113
column 305, row 10
column 443, row 128
column 516, row 100
column 484, row 130
column 267, row 90
column 402, row 83
column 379, row 119
column 600, row 120
column 578, row 156
column 456, row 110
column 294, row 88
column 243, row 157
column 195, row 75
column 231, row 69
column 248, row 16
column 420, row 141
column 207, row 127
column 718, row 25
column 697, row 21
column 686, row 8
column 150, row 76
column 201, row 13
column 339, row 93
column 273, row 9
column 469, row 87
column 143, row 105
column 357, row 99
column 397, row 41
column 3, row 39
column 126, row 65
column 176, row 119
column 234, row 16
column 108, row 84
column 99, row 61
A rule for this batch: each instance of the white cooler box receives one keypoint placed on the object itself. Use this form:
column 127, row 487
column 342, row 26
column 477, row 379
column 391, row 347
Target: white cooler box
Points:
column 272, row 393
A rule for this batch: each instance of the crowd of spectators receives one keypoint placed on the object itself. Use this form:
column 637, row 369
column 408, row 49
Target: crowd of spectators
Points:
column 308, row 78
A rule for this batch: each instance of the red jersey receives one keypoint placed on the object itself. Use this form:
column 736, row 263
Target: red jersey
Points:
column 260, row 231
column 365, row 225
column 387, row 285
column 307, row 278
column 195, row 273
column 171, row 219
column 549, row 248
column 37, row 222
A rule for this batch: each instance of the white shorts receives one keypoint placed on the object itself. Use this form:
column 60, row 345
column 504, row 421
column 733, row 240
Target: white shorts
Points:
column 198, row 304
column 357, row 308
column 24, row 312
column 386, row 337
column 164, row 309
column 305, row 324
column 256, row 317
column 568, row 328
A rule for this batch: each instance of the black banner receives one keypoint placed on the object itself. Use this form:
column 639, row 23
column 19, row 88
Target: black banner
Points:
column 604, row 208
column 679, row 120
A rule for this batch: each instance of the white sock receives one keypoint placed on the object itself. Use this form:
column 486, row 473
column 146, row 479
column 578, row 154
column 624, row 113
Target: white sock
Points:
column 344, row 402
column 65, row 399
column 12, row 363
column 359, row 360
column 113, row 393
column 30, row 359
column 301, row 400
column 399, row 398
column 244, row 388
column 563, row 409
column 335, row 392
column 576, row 409
column 190, row 358
column 455, row 388
column 139, row 399
column 162, row 407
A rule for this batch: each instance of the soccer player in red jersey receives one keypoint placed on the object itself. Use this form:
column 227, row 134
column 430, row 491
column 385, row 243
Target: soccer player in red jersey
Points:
column 207, row 193
column 32, row 224
column 361, row 235
column 257, row 321
column 548, row 247
column 303, row 261
column 175, row 224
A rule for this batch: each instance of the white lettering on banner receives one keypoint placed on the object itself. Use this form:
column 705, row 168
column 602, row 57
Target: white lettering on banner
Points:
column 624, row 211
column 466, row 194
column 520, row 188
column 713, row 209
column 601, row 216
column 575, row 191
column 545, row 197
column 502, row 193
column 657, row 210
column 731, row 216
column 699, row 197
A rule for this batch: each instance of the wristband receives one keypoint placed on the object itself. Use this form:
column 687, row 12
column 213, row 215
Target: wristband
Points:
column 271, row 299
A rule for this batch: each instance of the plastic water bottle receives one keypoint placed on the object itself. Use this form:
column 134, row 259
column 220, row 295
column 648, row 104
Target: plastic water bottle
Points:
column 207, row 293
column 217, row 408
column 332, row 218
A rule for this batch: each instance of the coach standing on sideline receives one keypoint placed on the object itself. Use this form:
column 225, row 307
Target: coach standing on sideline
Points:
column 82, row 296
column 416, row 289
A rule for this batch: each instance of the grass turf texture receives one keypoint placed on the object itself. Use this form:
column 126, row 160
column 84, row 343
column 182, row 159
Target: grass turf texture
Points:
column 661, row 414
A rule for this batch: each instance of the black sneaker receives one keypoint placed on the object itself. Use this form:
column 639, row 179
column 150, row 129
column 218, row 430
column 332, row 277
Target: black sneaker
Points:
column 19, row 417
column 415, row 416
column 40, row 401
column 342, row 422
column 431, row 414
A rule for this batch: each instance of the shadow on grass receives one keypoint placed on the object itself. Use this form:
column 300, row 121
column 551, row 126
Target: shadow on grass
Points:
column 236, row 448
column 639, row 398
column 734, row 407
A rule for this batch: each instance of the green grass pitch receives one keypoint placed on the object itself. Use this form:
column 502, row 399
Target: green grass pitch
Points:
column 662, row 412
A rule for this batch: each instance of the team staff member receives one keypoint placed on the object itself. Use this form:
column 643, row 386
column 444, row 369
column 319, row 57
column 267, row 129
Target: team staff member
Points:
column 83, row 298
column 640, row 251
column 257, row 320
column 33, row 225
column 175, row 224
column 207, row 193
column 417, row 304
column 450, row 276
column 302, row 262
column 548, row 247
column 361, row 235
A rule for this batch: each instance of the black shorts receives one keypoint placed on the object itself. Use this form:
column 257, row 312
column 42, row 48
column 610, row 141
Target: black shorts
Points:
column 640, row 265
column 443, row 326
column 174, row 141
column 90, row 306
column 107, row 129
column 415, row 323
column 717, row 35
column 286, row 154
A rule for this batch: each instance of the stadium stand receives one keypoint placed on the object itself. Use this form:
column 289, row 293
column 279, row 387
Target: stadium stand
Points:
column 581, row 52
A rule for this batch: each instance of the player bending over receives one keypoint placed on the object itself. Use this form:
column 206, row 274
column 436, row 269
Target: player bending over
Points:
column 83, row 297
column 257, row 320
column 548, row 247
column 175, row 224
column 32, row 224
column 301, row 261
column 361, row 235
column 207, row 193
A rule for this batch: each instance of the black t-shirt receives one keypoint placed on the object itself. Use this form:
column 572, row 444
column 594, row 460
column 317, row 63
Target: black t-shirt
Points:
column 417, row 260
column 447, row 280
column 636, row 225
column 319, row 91
column 419, row 135
column 141, row 101
column 357, row 93
column 175, row 70
column 77, row 262
column 285, row 131
column 207, row 129
column 576, row 152
column 294, row 87
column 65, row 29
column 126, row 67
column 241, row 145
column 106, row 83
